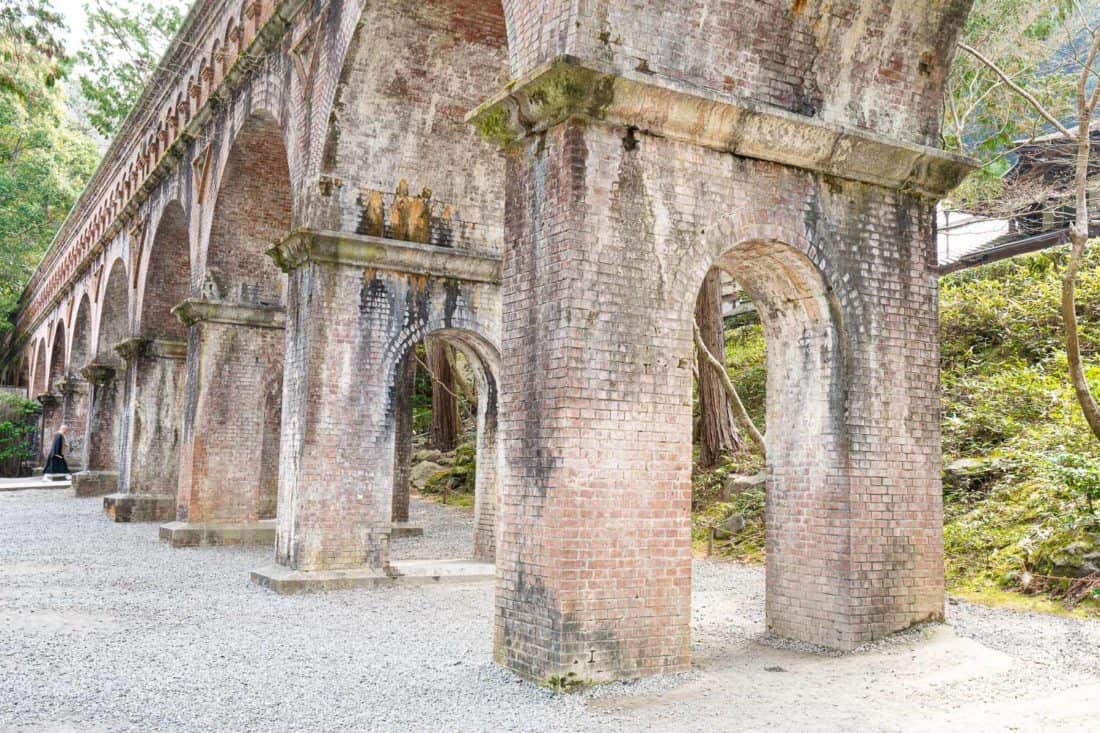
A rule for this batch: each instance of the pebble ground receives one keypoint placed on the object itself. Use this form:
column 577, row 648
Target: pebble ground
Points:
column 104, row 628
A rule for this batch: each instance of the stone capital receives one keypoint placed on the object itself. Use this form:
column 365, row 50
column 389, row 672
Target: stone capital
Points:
column 70, row 385
column 98, row 374
column 47, row 399
column 132, row 348
column 568, row 88
column 366, row 252
column 193, row 311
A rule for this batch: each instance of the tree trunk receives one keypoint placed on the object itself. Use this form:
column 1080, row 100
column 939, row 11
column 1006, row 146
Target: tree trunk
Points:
column 445, row 419
column 718, row 434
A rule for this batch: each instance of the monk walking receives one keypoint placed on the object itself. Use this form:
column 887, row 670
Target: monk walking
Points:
column 55, row 462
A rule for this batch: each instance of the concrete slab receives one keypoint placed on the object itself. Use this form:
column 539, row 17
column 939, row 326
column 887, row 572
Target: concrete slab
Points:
column 139, row 507
column 25, row 484
column 95, row 483
column 285, row 581
column 195, row 534
column 404, row 529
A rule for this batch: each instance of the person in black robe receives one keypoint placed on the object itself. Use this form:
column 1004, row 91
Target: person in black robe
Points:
column 55, row 463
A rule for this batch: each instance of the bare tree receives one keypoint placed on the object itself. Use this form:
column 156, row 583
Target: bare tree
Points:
column 1080, row 136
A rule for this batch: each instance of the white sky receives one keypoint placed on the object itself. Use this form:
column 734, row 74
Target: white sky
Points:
column 73, row 10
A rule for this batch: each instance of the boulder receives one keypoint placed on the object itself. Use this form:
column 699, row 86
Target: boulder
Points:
column 736, row 485
column 426, row 454
column 967, row 475
column 729, row 526
column 422, row 472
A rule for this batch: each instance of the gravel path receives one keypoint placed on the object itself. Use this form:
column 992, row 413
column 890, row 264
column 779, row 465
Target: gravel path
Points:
column 103, row 628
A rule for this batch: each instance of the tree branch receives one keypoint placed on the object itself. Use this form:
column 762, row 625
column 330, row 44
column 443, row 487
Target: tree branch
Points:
column 1018, row 89
column 731, row 391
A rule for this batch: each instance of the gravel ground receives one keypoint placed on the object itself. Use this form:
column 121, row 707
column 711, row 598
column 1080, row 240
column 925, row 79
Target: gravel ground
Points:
column 104, row 628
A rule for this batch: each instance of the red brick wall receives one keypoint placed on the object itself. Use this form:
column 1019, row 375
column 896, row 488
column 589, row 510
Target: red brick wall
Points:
column 607, row 246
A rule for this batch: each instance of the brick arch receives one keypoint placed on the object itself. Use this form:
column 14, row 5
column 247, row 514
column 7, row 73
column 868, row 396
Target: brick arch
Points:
column 806, row 434
column 253, row 209
column 166, row 275
column 80, row 335
column 38, row 375
column 58, row 364
column 114, row 313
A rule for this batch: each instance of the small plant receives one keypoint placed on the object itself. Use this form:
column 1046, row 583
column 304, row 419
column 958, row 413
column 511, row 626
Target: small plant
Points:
column 565, row 683
column 1081, row 475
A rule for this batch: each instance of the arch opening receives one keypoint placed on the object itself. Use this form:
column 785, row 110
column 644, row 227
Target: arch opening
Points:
column 114, row 316
column 467, row 473
column 804, row 494
column 230, row 437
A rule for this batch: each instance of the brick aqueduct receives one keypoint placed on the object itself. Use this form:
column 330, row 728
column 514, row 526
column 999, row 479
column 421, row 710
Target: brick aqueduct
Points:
column 307, row 189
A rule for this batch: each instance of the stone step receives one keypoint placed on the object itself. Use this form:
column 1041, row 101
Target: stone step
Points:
column 285, row 581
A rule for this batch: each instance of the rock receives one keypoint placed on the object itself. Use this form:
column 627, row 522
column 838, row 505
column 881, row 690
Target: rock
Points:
column 729, row 527
column 736, row 485
column 426, row 454
column 423, row 471
column 966, row 475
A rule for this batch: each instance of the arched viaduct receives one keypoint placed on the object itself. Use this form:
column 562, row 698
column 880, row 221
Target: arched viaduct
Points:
column 308, row 188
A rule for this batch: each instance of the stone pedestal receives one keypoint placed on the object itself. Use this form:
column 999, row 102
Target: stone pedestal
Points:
column 195, row 534
column 95, row 483
column 402, row 573
column 229, row 445
column 139, row 507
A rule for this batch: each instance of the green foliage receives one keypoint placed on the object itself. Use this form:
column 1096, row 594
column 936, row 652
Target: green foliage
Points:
column 44, row 161
column 31, row 55
column 745, row 362
column 460, row 476
column 1080, row 473
column 126, row 39
column 16, row 426
column 1007, row 401
column 564, row 683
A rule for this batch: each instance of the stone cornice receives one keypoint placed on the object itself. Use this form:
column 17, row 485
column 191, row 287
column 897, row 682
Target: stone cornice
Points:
column 139, row 347
column 48, row 399
column 98, row 373
column 366, row 252
column 70, row 385
column 194, row 311
column 571, row 88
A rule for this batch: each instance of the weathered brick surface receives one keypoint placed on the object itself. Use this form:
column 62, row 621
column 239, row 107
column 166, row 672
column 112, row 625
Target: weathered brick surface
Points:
column 874, row 64
column 608, row 244
column 348, row 334
column 229, row 447
column 584, row 465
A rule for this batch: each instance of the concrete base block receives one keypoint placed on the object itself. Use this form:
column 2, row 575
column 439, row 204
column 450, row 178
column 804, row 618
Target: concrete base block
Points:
column 194, row 534
column 95, row 483
column 285, row 581
column 404, row 529
column 139, row 507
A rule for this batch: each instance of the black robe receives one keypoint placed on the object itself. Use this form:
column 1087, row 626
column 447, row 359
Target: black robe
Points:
column 55, row 463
